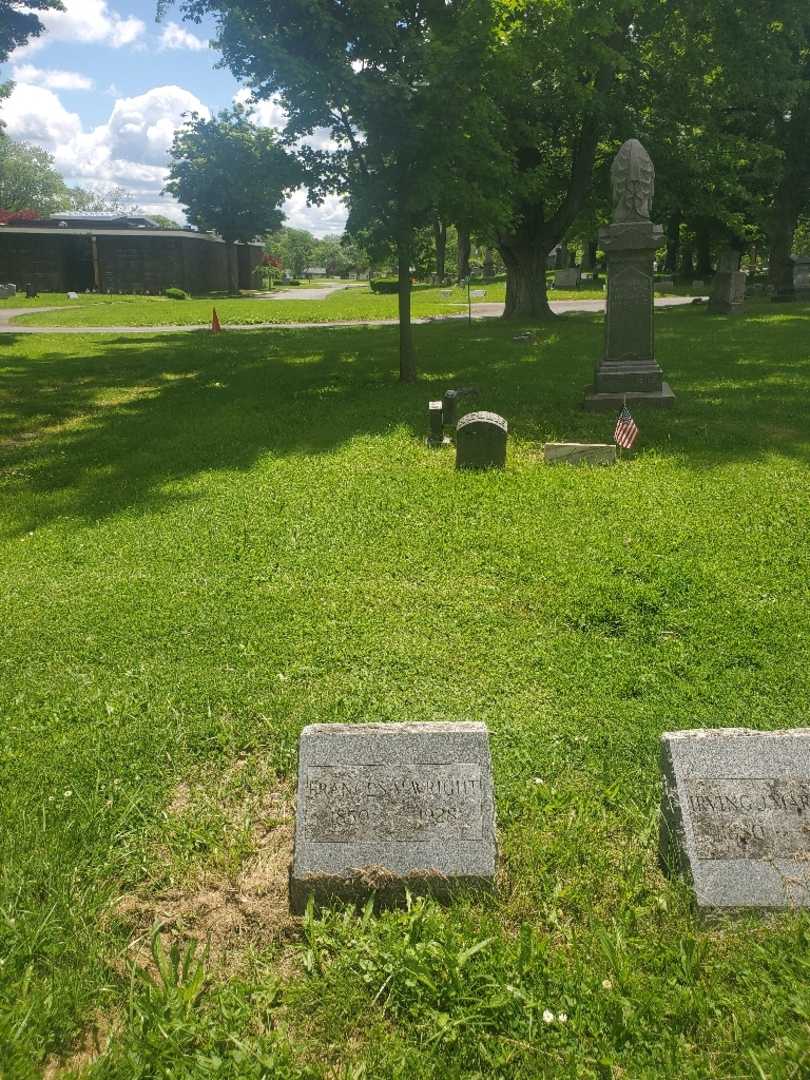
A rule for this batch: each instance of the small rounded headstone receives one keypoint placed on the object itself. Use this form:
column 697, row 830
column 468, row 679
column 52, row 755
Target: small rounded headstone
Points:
column 481, row 441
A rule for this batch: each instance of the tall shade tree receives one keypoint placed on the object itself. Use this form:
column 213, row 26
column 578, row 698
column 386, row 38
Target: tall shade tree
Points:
column 232, row 178
column 28, row 180
column 557, row 90
column 398, row 84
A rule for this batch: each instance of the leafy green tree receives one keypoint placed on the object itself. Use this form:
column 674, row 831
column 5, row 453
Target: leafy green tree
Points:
column 397, row 82
column 232, row 178
column 557, row 89
column 28, row 179
column 117, row 200
column 294, row 247
column 19, row 22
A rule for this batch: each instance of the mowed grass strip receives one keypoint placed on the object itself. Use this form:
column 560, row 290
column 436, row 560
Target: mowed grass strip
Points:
column 355, row 304
column 209, row 542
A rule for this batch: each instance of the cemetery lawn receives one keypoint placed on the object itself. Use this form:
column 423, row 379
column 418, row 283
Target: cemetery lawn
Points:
column 208, row 542
column 355, row 304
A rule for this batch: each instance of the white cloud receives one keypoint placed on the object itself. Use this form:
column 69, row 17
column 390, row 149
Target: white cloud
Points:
column 175, row 36
column 130, row 149
column 52, row 78
column 88, row 21
column 36, row 115
column 328, row 219
column 270, row 113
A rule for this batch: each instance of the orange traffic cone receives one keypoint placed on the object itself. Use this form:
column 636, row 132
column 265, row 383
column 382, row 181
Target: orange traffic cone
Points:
column 215, row 327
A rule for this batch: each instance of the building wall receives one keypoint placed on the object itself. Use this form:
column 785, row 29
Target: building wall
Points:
column 56, row 262
column 38, row 259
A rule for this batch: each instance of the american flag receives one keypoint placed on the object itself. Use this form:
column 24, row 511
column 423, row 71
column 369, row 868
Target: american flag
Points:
column 626, row 431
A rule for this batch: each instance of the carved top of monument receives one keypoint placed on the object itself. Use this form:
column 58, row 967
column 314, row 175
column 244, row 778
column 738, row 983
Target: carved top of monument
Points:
column 633, row 178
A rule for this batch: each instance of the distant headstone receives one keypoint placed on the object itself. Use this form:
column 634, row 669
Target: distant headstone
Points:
column 436, row 436
column 628, row 370
column 728, row 286
column 698, row 284
column 7, row 291
column 665, row 285
column 451, row 399
column 481, row 441
column 390, row 808
column 735, row 815
column 801, row 276
column 573, row 453
column 30, row 291
column 73, row 295
column 567, row 279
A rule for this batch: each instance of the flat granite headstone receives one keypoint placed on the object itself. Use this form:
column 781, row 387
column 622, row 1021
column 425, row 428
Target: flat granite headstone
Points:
column 575, row 453
column 735, row 815
column 481, row 441
column 390, row 808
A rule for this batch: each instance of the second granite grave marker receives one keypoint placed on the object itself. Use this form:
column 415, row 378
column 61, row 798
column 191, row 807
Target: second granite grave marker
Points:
column 390, row 808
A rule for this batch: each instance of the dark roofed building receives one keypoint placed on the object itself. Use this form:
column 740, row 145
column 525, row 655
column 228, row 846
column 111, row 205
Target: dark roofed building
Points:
column 120, row 253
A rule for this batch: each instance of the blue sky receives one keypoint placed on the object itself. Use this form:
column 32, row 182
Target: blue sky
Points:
column 104, row 88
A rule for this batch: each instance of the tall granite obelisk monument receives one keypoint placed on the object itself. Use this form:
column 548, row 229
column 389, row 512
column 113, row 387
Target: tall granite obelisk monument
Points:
column 628, row 369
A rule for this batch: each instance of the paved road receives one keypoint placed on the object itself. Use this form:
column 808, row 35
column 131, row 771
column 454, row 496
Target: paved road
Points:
column 319, row 292
column 486, row 311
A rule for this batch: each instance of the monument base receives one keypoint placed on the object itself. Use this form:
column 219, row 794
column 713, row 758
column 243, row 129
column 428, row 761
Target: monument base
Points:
column 613, row 402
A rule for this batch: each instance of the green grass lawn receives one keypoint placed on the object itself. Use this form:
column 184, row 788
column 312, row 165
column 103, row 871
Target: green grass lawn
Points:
column 209, row 542
column 354, row 304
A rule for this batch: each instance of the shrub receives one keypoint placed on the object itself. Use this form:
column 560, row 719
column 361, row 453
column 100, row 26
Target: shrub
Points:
column 384, row 285
column 175, row 294
column 292, row 281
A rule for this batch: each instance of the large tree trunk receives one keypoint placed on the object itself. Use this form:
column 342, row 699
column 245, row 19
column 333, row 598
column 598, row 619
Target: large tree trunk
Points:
column 789, row 198
column 463, row 253
column 407, row 359
column 703, row 245
column 673, row 244
column 524, row 254
column 440, row 240
column 233, row 272
column 780, row 264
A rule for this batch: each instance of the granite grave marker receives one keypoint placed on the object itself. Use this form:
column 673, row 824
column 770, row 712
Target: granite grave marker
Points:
column 481, row 441
column 735, row 815
column 728, row 286
column 628, row 371
column 385, row 808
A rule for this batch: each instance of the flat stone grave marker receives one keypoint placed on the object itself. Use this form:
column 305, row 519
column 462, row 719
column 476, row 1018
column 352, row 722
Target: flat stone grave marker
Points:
column 390, row 808
column 735, row 815
column 575, row 453
column 481, row 441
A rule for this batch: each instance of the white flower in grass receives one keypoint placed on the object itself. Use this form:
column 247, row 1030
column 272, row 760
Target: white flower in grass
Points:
column 548, row 1016
column 562, row 1017
column 607, row 984
column 538, row 780
column 68, row 793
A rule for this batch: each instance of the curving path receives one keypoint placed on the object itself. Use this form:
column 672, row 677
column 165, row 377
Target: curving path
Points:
column 480, row 311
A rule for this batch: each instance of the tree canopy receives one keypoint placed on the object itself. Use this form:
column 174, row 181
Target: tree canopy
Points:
column 231, row 176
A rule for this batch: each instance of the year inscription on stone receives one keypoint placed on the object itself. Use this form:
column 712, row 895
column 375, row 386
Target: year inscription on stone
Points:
column 750, row 818
column 411, row 803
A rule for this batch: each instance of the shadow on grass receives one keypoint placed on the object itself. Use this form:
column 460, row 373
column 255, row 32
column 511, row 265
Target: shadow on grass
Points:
column 92, row 426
